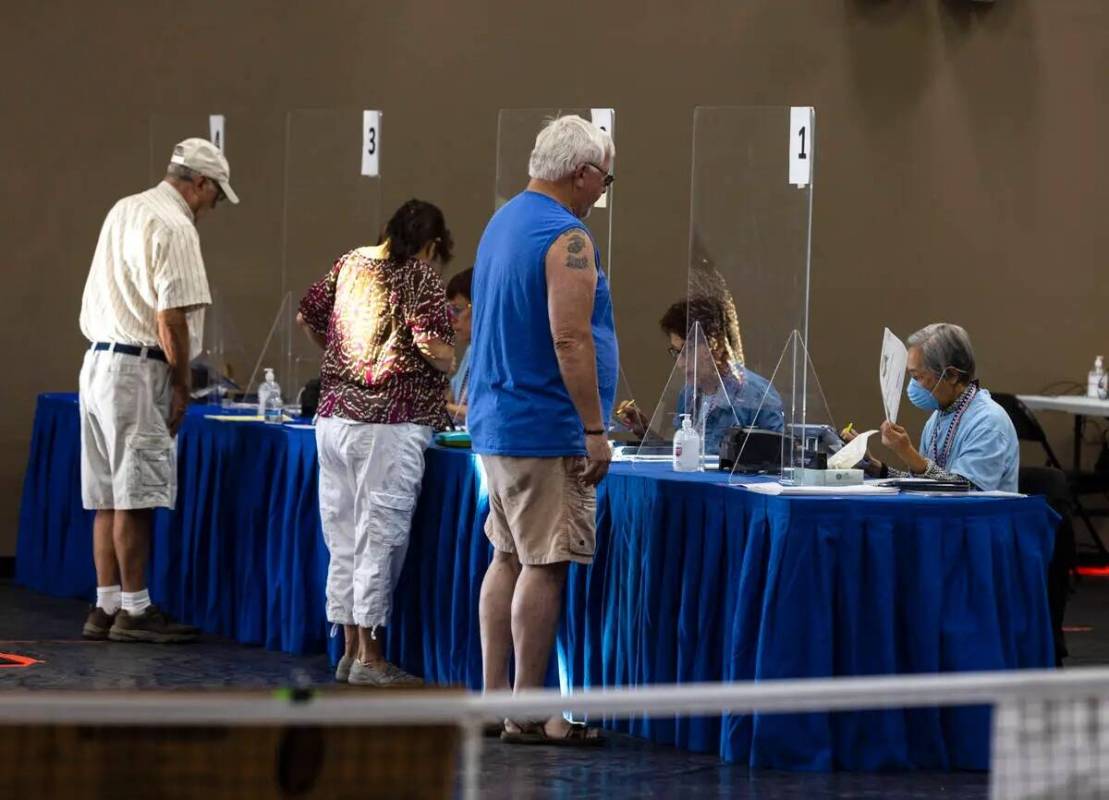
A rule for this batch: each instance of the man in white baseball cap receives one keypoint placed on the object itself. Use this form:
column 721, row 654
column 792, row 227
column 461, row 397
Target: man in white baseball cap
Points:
column 143, row 314
column 207, row 160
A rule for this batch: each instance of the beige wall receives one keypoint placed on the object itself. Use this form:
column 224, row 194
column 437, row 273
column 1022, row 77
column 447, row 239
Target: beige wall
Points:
column 961, row 172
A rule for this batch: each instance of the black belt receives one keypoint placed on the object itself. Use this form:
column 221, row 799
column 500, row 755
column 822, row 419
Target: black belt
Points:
column 132, row 350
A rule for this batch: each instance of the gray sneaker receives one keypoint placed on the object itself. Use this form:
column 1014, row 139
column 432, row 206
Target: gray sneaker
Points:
column 385, row 675
column 342, row 669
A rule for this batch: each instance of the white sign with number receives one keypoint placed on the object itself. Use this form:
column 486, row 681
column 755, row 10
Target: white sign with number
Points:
column 605, row 119
column 371, row 143
column 801, row 122
column 215, row 130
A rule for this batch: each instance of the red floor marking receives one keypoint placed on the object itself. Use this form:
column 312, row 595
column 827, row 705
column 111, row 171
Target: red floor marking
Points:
column 12, row 661
column 1093, row 572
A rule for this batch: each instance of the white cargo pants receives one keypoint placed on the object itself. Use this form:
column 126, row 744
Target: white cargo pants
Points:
column 369, row 480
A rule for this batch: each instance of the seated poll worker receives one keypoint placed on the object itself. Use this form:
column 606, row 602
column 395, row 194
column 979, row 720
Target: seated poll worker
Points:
column 460, row 310
column 968, row 438
column 755, row 403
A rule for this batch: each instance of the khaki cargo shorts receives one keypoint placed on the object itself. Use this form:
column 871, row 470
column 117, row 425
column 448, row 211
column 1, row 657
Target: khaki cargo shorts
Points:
column 128, row 458
column 540, row 510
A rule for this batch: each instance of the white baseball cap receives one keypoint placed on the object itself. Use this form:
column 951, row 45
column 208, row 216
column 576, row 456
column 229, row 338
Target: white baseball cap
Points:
column 205, row 158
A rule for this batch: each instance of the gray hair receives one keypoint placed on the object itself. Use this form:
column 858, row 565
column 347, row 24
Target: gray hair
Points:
column 945, row 346
column 566, row 143
column 181, row 172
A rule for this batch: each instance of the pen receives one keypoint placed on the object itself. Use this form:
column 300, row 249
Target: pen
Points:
column 850, row 426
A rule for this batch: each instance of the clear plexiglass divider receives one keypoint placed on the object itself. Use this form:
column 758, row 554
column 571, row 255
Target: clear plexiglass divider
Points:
column 242, row 306
column 332, row 205
column 693, row 410
column 748, row 275
column 788, row 434
column 517, row 129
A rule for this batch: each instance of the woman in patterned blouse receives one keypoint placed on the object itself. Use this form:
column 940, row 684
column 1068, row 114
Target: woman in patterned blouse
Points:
column 380, row 316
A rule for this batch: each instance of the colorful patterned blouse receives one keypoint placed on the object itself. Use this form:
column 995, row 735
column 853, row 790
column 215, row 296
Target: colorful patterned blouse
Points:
column 370, row 311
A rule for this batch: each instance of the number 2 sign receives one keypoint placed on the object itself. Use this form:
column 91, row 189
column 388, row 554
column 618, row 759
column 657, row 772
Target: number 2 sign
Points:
column 605, row 119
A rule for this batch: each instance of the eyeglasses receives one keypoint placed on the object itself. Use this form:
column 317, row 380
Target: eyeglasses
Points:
column 454, row 312
column 220, row 195
column 609, row 177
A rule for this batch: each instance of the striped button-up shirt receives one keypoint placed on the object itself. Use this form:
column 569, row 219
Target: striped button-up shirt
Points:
column 147, row 260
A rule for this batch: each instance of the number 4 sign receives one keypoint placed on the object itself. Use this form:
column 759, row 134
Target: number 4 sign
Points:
column 371, row 143
column 801, row 122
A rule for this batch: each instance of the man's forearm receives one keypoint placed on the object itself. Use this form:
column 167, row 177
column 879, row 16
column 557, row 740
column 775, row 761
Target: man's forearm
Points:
column 173, row 333
column 577, row 362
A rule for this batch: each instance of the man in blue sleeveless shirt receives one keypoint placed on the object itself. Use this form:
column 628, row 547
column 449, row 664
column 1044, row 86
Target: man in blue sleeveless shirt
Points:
column 543, row 377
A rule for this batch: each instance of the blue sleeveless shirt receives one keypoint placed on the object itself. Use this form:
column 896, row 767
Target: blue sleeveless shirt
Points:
column 519, row 405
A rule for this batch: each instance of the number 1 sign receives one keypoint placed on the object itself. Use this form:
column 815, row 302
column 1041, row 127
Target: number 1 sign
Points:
column 801, row 119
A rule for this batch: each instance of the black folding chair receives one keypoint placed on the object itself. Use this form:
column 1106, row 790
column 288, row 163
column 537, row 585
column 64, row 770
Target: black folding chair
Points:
column 1079, row 482
column 1052, row 484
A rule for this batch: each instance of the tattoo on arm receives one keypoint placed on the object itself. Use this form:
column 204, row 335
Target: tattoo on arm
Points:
column 574, row 247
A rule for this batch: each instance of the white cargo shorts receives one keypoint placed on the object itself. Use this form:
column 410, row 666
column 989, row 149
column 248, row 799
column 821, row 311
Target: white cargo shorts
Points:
column 370, row 478
column 128, row 458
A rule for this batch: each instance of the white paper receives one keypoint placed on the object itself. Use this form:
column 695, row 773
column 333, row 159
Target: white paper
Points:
column 851, row 453
column 605, row 119
column 216, row 130
column 891, row 373
column 801, row 120
column 776, row 488
column 371, row 143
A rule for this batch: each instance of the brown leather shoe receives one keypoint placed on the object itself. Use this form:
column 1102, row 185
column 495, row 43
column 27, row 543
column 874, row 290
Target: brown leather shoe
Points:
column 97, row 624
column 152, row 625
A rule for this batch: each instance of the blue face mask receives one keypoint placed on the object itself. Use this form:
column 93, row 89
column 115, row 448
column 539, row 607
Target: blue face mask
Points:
column 921, row 397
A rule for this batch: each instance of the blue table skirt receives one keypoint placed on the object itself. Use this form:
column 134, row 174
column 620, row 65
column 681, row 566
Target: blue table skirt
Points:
column 693, row 581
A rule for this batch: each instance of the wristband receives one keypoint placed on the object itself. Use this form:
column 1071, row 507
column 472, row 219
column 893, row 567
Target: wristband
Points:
column 594, row 431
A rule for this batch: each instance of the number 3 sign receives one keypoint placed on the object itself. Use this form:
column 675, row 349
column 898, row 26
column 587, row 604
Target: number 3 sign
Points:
column 371, row 143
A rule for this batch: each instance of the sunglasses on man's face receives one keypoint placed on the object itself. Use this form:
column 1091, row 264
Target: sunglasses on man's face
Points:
column 609, row 177
column 220, row 196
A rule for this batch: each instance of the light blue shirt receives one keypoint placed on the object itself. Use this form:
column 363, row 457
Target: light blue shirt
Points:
column 746, row 399
column 985, row 451
column 461, row 378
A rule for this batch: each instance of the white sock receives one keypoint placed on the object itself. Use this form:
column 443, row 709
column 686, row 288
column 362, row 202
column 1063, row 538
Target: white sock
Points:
column 108, row 598
column 134, row 603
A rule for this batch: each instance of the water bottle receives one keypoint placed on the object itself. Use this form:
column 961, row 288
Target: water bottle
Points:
column 1095, row 381
column 687, row 447
column 269, row 400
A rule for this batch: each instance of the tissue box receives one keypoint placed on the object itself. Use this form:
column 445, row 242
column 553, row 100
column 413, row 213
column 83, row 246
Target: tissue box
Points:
column 828, row 477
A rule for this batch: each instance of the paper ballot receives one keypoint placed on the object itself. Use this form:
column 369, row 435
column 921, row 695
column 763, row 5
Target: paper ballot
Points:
column 891, row 373
column 851, row 453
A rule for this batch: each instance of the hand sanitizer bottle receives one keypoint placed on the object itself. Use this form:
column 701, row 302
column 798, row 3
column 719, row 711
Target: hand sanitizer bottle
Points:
column 687, row 447
column 1095, row 381
column 269, row 400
